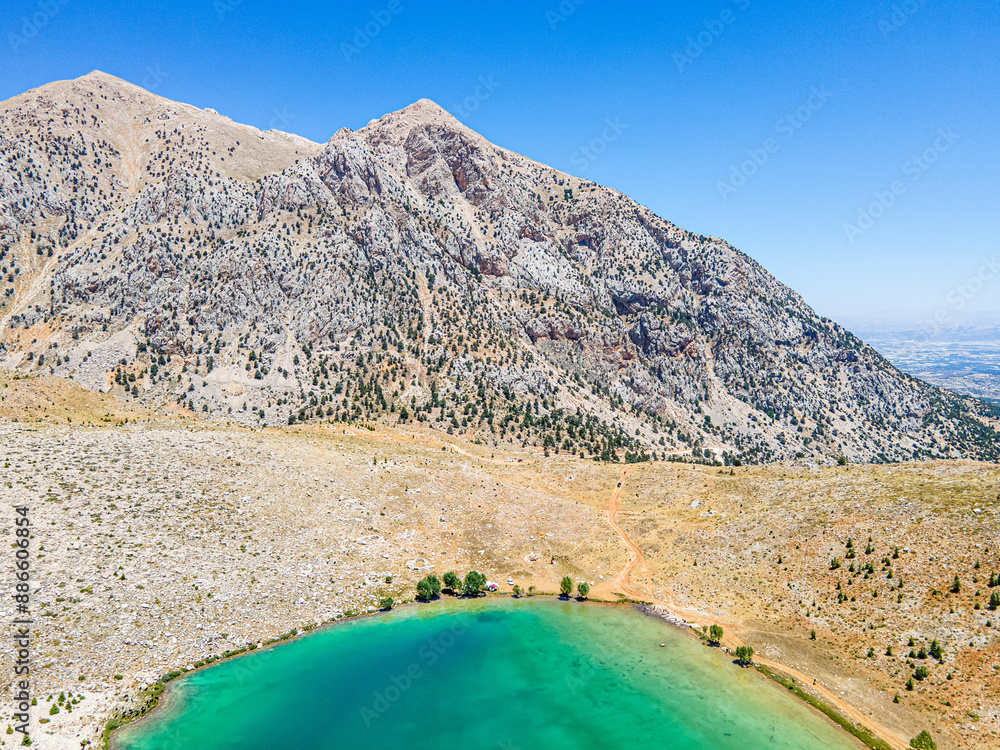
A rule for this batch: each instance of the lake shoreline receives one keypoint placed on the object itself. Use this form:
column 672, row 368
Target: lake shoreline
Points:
column 860, row 732
column 162, row 694
column 160, row 700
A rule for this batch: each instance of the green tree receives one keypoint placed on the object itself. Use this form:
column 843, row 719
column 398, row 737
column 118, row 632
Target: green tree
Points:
column 387, row 602
column 452, row 581
column 956, row 586
column 994, row 601
column 517, row 590
column 583, row 588
column 920, row 673
column 566, row 586
column 936, row 651
column 474, row 583
column 923, row 741
column 715, row 634
column 744, row 655
column 428, row 587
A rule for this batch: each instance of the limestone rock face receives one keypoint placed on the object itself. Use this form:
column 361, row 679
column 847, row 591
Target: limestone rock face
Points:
column 413, row 266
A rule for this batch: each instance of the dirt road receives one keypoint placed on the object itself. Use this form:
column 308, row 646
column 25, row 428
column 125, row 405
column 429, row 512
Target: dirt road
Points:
column 621, row 583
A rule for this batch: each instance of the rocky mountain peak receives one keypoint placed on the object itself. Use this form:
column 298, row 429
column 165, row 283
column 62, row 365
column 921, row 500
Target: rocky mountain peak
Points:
column 421, row 112
column 411, row 270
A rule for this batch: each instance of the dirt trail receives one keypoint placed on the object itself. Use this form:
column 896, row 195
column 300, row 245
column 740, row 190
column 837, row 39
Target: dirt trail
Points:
column 621, row 583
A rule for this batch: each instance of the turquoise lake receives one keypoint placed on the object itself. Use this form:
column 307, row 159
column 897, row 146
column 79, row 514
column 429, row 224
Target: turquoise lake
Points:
column 497, row 674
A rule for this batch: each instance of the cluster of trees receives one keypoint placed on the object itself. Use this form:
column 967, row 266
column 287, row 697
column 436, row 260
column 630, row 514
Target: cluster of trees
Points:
column 566, row 588
column 474, row 584
column 921, row 673
column 429, row 587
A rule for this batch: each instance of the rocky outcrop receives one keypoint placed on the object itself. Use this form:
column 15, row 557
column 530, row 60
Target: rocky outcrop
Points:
column 413, row 266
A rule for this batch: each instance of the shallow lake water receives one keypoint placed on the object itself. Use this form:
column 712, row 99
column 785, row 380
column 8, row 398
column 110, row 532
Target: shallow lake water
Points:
column 497, row 673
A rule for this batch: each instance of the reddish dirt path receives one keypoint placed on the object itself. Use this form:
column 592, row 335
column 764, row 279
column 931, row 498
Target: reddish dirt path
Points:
column 621, row 583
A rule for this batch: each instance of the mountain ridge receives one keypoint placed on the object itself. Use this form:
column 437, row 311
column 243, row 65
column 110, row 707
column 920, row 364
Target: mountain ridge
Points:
column 408, row 270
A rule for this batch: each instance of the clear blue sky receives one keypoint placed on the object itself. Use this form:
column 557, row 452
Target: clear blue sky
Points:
column 868, row 84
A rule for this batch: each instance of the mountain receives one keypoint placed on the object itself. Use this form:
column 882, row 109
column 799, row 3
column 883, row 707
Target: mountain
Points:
column 413, row 271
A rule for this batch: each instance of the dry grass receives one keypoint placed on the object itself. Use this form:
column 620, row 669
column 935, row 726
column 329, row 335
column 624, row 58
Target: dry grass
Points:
column 755, row 553
column 269, row 523
column 53, row 400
